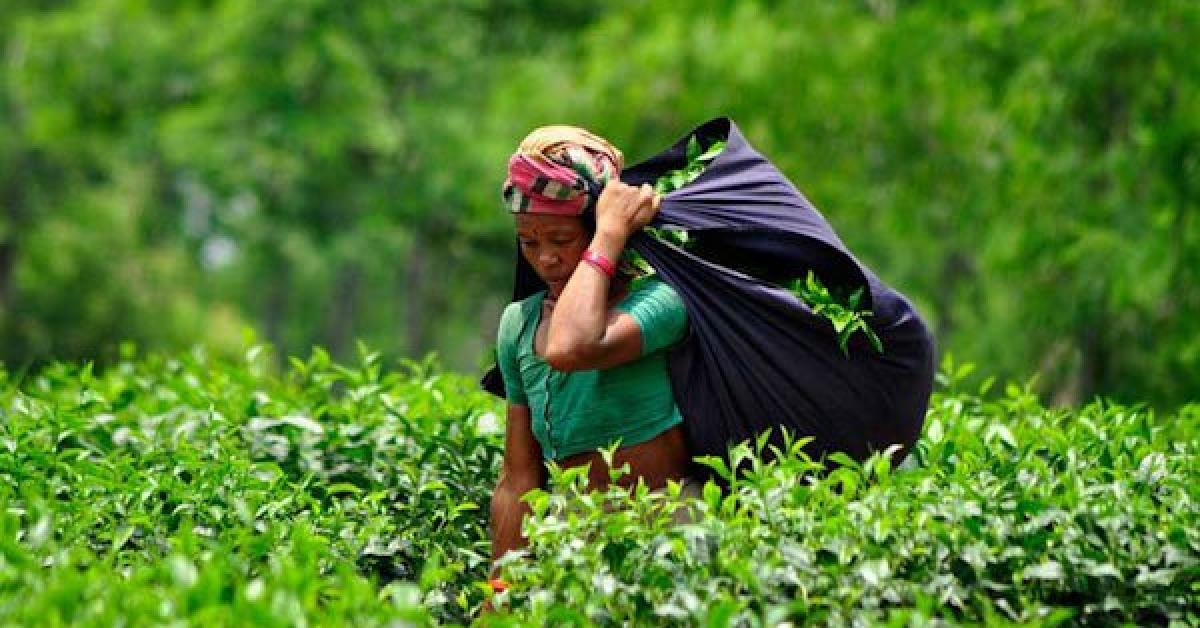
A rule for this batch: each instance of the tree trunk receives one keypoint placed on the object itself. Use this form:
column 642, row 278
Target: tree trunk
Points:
column 414, row 301
column 8, row 262
column 955, row 267
column 340, row 331
column 13, row 199
column 1095, row 355
column 276, row 306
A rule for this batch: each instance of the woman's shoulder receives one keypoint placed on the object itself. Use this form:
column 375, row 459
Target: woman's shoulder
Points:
column 650, row 300
column 659, row 312
column 652, row 287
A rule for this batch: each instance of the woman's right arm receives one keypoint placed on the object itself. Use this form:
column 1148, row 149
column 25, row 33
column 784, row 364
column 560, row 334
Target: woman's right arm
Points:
column 521, row 472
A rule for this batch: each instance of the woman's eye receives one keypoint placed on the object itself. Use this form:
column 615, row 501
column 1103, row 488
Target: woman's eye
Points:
column 527, row 243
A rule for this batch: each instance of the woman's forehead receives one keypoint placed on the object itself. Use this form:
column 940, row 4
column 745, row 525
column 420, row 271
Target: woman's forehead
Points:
column 534, row 223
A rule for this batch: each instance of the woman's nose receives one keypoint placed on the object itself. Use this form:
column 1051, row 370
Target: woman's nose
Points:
column 548, row 258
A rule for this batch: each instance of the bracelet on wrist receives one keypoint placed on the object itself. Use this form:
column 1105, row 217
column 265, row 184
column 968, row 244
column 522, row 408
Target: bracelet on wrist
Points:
column 602, row 263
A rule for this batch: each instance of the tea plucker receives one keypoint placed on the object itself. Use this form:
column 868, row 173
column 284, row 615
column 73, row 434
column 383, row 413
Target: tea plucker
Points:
column 583, row 361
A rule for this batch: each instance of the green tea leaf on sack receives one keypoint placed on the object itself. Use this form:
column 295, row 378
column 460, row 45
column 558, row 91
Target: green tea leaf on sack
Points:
column 843, row 314
column 712, row 151
column 693, row 149
column 696, row 160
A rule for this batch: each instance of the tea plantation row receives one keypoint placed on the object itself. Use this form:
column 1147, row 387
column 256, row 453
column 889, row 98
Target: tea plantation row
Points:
column 179, row 490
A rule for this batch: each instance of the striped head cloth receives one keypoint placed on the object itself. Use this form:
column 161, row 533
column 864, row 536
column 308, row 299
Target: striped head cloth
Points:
column 559, row 170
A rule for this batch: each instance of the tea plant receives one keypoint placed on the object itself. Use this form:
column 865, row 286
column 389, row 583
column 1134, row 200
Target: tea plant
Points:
column 1007, row 512
column 179, row 490
column 171, row 465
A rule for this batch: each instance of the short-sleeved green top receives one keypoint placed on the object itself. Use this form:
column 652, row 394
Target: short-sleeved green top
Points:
column 585, row 410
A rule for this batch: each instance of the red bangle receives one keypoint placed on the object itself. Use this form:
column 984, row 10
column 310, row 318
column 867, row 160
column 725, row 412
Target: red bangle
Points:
column 498, row 585
column 602, row 263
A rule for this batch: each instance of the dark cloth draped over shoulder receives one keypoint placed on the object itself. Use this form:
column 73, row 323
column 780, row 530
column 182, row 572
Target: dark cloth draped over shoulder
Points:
column 756, row 357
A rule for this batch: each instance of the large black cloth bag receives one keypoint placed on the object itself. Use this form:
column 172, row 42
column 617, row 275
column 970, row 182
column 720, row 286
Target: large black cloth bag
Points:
column 756, row 357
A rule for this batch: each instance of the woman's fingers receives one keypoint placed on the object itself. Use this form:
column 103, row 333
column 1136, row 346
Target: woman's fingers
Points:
column 648, row 202
column 625, row 204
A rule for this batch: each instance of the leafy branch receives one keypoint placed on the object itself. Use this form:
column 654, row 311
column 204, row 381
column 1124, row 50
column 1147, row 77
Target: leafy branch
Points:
column 697, row 160
column 846, row 316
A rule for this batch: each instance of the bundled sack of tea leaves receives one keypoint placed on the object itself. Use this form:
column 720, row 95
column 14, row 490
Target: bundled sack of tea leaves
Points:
column 738, row 242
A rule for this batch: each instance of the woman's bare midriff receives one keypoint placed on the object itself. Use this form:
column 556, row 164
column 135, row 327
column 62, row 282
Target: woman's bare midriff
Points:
column 664, row 457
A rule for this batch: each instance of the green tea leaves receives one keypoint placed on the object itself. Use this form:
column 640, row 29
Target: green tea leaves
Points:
column 697, row 160
column 367, row 503
column 843, row 314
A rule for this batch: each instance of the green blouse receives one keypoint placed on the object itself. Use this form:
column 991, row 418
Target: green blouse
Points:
column 585, row 410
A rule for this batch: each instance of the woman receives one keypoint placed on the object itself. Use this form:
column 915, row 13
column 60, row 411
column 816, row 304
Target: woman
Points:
column 584, row 361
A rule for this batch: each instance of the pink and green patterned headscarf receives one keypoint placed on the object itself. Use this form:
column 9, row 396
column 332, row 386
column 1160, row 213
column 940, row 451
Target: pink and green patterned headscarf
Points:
column 559, row 170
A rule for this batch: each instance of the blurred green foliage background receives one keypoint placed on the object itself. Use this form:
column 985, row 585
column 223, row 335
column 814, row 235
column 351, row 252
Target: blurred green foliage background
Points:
column 324, row 171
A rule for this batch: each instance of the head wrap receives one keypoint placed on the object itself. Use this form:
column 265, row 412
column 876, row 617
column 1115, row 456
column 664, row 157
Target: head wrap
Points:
column 559, row 170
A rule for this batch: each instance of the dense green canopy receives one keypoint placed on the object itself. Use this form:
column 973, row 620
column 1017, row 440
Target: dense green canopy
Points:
column 321, row 171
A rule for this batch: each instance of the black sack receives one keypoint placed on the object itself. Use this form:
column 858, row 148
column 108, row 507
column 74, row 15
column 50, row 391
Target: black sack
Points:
column 756, row 357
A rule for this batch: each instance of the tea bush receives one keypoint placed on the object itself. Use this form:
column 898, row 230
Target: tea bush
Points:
column 1007, row 511
column 177, row 489
column 232, row 494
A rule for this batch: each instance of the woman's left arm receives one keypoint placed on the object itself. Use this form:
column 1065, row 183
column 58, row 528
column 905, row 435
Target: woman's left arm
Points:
column 584, row 333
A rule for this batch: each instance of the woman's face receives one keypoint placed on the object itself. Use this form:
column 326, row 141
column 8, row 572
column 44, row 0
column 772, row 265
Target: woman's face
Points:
column 553, row 245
